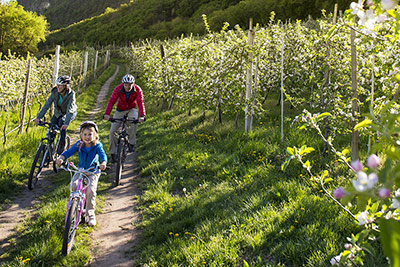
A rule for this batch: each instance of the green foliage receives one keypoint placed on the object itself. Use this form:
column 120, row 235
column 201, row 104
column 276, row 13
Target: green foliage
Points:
column 165, row 19
column 20, row 30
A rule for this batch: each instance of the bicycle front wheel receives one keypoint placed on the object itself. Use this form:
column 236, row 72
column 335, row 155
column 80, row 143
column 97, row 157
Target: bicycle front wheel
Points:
column 118, row 165
column 70, row 227
column 36, row 168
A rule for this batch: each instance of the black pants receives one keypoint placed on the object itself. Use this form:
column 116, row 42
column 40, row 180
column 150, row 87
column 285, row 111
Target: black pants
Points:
column 63, row 133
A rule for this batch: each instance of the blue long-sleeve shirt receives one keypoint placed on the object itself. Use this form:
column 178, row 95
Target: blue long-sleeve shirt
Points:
column 88, row 156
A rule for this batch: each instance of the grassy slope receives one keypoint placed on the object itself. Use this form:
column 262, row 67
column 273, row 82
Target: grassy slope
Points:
column 212, row 196
column 39, row 239
column 215, row 196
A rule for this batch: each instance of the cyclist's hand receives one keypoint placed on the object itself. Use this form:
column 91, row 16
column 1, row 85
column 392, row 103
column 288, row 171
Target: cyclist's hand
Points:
column 59, row 161
column 106, row 117
column 36, row 121
column 103, row 166
column 141, row 119
column 64, row 127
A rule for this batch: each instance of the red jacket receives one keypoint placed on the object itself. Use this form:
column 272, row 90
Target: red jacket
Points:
column 136, row 97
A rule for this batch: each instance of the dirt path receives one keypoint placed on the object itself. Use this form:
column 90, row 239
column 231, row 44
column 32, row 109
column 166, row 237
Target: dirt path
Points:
column 114, row 235
column 24, row 204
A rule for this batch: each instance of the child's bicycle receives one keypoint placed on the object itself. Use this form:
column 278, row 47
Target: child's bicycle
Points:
column 46, row 153
column 76, row 204
column 122, row 146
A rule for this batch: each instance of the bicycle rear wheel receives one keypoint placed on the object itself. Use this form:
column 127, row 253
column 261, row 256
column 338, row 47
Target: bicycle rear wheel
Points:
column 118, row 165
column 37, row 166
column 70, row 227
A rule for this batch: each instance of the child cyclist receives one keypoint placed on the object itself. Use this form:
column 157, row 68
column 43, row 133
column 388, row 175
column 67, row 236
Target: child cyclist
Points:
column 91, row 153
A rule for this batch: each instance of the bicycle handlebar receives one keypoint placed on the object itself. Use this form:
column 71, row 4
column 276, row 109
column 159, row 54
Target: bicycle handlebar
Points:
column 124, row 120
column 66, row 167
column 48, row 124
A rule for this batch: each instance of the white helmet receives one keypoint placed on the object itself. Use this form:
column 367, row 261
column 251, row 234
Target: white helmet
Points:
column 128, row 79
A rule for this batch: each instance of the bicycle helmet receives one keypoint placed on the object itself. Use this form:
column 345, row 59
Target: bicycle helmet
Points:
column 63, row 80
column 89, row 124
column 128, row 79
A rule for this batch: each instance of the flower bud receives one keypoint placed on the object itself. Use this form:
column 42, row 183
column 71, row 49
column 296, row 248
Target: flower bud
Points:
column 383, row 192
column 373, row 161
column 357, row 166
column 338, row 193
column 348, row 246
column 370, row 3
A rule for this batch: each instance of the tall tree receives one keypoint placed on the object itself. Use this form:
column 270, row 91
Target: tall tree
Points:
column 20, row 30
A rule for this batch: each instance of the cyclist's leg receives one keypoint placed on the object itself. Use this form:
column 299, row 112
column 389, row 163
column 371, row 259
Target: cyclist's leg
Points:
column 114, row 127
column 91, row 193
column 63, row 134
column 74, row 183
column 132, row 127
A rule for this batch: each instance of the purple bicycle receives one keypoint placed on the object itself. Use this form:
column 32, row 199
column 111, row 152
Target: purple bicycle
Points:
column 76, row 204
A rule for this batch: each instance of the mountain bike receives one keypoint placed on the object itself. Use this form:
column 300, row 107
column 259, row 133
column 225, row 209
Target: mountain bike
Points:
column 122, row 146
column 76, row 203
column 46, row 153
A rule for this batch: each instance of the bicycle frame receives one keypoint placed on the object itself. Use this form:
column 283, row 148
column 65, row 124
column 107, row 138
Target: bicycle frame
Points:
column 122, row 146
column 78, row 197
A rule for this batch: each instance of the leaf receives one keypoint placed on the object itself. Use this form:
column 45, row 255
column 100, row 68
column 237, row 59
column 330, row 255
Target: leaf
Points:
column 363, row 124
column 330, row 32
column 390, row 235
column 345, row 151
column 245, row 264
column 286, row 163
column 327, row 180
column 290, row 150
column 323, row 115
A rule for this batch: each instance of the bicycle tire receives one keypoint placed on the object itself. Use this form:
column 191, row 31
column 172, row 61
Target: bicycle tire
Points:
column 36, row 167
column 118, row 165
column 70, row 227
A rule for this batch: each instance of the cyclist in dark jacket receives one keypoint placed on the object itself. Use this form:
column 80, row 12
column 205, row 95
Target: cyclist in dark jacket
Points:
column 63, row 98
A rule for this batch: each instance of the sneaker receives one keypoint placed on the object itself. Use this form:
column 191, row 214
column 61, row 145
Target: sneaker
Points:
column 92, row 218
column 131, row 148
column 113, row 158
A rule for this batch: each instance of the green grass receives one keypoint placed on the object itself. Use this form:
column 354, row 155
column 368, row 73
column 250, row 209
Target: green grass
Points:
column 38, row 240
column 212, row 195
column 215, row 196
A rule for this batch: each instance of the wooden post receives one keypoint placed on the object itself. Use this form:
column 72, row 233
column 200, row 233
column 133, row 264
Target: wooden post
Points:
column 371, row 109
column 24, row 102
column 85, row 68
column 95, row 64
column 354, row 103
column 5, row 127
column 56, row 65
column 282, row 85
column 55, row 73
column 72, row 67
column 249, row 79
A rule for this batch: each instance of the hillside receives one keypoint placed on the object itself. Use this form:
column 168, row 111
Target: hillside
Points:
column 61, row 13
column 162, row 19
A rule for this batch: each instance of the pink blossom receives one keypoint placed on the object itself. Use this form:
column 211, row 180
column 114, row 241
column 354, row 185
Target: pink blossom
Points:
column 370, row 3
column 348, row 246
column 373, row 161
column 338, row 193
column 357, row 166
column 383, row 192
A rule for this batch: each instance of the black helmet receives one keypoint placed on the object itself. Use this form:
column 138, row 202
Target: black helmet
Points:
column 89, row 124
column 63, row 80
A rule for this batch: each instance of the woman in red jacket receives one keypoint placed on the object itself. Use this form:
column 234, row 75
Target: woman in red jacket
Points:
column 130, row 101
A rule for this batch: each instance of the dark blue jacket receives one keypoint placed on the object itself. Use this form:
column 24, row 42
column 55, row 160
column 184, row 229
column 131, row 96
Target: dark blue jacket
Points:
column 88, row 156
